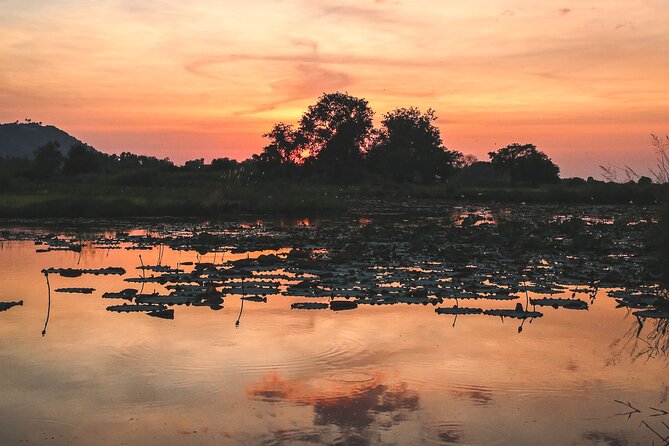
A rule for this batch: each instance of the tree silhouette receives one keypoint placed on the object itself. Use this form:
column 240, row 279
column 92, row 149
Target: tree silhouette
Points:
column 409, row 147
column 82, row 159
column 48, row 160
column 224, row 164
column 524, row 162
column 128, row 160
column 194, row 165
column 334, row 132
column 281, row 150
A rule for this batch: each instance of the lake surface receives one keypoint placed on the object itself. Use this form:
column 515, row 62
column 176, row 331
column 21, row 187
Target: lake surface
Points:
column 376, row 374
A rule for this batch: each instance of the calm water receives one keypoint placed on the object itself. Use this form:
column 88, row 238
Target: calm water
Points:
column 397, row 374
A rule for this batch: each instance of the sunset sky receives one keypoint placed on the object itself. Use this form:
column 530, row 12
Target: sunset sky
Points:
column 586, row 81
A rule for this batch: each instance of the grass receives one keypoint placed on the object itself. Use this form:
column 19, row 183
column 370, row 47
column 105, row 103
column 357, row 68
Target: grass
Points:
column 67, row 199
column 206, row 194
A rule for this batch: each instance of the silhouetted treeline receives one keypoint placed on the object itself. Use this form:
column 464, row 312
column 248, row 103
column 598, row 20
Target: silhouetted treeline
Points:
column 334, row 142
column 49, row 162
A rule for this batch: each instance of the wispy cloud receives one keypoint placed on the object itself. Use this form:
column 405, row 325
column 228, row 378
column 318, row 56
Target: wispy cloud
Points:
column 306, row 81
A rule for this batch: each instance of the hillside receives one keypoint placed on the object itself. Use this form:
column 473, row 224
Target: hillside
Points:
column 19, row 140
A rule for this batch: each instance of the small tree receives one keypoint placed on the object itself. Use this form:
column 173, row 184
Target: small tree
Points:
column 282, row 145
column 281, row 152
column 409, row 147
column 224, row 164
column 196, row 164
column 524, row 162
column 48, row 160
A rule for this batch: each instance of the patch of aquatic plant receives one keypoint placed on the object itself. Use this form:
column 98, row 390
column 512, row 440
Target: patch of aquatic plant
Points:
column 495, row 255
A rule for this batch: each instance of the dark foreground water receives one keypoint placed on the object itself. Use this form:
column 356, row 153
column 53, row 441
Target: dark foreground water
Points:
column 382, row 374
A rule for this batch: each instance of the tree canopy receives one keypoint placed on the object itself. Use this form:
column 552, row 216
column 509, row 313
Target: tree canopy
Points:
column 334, row 132
column 281, row 151
column 409, row 147
column 523, row 162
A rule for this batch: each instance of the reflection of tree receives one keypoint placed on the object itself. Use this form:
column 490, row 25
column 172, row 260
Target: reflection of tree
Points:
column 656, row 338
column 643, row 340
column 48, row 308
column 646, row 337
column 649, row 421
column 450, row 433
column 352, row 406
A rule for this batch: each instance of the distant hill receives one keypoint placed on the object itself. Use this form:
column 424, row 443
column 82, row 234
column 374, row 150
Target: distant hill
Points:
column 19, row 140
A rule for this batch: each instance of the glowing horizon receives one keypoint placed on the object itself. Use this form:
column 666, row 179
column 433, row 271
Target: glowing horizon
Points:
column 586, row 83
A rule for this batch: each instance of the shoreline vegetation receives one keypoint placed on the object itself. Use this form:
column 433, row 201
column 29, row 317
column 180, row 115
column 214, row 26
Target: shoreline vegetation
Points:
column 198, row 196
column 334, row 160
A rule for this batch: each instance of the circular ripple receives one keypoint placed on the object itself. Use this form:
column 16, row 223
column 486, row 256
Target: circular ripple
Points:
column 351, row 376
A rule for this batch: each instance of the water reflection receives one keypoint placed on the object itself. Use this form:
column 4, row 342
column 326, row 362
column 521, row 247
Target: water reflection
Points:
column 48, row 305
column 606, row 438
column 355, row 403
column 301, row 273
column 478, row 395
column 648, row 336
column 263, row 370
column 649, row 419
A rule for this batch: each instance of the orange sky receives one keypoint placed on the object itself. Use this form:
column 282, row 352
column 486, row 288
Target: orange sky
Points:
column 586, row 81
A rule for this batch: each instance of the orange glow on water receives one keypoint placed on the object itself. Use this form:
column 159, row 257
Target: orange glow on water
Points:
column 402, row 372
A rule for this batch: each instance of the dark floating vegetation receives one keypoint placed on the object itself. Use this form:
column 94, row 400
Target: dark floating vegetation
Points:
column 516, row 263
column 128, row 294
column 4, row 306
column 341, row 305
column 572, row 304
column 309, row 306
column 458, row 310
column 73, row 272
column 75, row 290
column 129, row 308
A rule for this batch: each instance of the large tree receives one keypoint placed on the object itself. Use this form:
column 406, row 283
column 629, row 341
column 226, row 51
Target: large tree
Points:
column 333, row 133
column 409, row 147
column 523, row 162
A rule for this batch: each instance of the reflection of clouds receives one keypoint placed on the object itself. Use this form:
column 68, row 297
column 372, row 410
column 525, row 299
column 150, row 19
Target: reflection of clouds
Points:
column 353, row 406
column 479, row 395
column 360, row 410
column 607, row 438
column 274, row 389
column 291, row 436
column 451, row 433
